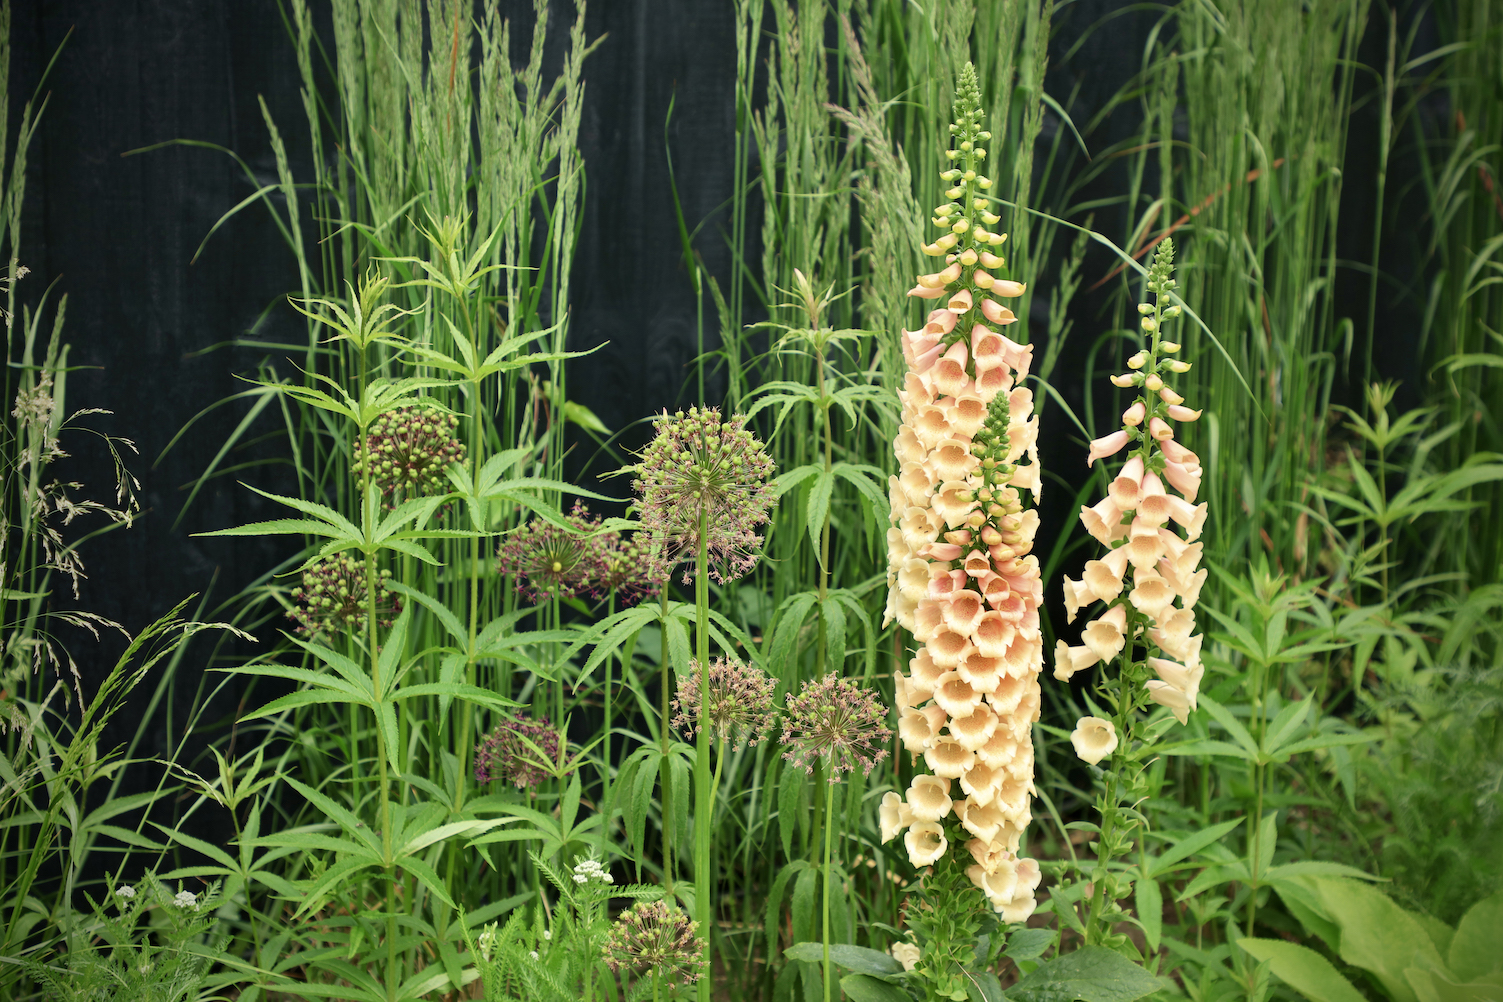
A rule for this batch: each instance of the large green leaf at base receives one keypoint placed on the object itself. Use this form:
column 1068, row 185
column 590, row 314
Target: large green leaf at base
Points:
column 1304, row 970
column 1090, row 974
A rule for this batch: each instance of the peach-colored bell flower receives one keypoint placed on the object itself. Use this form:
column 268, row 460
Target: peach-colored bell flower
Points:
column 949, row 373
column 1008, row 289
column 1181, row 413
column 1094, row 739
column 1106, row 636
column 1171, row 698
column 1183, row 479
column 894, row 816
column 960, row 302
column 926, row 843
column 1069, row 660
column 919, row 292
column 1133, row 416
column 975, row 728
column 1107, row 445
column 947, row 757
column 929, row 798
column 1103, row 520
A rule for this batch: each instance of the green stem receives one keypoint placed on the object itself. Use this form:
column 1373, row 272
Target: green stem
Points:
column 665, row 767
column 825, row 904
column 702, row 805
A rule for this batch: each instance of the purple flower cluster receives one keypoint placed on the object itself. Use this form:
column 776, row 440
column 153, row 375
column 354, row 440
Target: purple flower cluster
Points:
column 835, row 719
column 410, row 447
column 332, row 598
column 739, row 707
column 517, row 750
column 549, row 561
column 652, row 937
column 700, row 465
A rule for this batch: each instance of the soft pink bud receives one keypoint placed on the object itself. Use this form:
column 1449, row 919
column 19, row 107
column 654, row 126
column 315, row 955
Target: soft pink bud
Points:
column 1008, row 289
column 1159, row 429
column 990, row 260
column 1133, row 416
column 939, row 321
column 982, row 279
column 942, row 551
column 1183, row 479
column 1107, row 445
column 919, row 292
column 1176, row 453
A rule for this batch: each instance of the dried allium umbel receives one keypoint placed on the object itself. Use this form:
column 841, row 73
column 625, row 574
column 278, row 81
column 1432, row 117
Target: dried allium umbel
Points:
column 835, row 719
column 550, row 561
column 517, row 751
column 332, row 598
column 696, row 465
column 740, row 703
column 651, row 937
column 410, row 447
column 961, row 575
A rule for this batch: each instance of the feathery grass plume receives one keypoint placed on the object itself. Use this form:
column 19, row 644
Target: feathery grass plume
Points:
column 332, row 597
column 1148, row 581
column 410, row 447
column 739, row 707
column 516, row 751
column 652, row 938
column 834, row 718
column 699, row 464
column 961, row 576
column 550, row 561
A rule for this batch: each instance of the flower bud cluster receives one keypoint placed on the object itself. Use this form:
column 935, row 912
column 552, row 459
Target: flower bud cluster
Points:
column 699, row 464
column 739, row 708
column 1150, row 579
column 332, row 598
column 548, row 560
column 408, row 449
column 653, row 937
column 516, row 751
column 961, row 576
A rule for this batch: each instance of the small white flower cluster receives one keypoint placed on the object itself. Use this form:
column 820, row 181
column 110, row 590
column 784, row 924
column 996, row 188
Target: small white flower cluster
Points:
column 590, row 869
column 185, row 899
column 486, row 941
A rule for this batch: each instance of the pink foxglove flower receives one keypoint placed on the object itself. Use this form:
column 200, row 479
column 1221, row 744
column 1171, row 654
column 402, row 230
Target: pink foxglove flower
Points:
column 962, row 577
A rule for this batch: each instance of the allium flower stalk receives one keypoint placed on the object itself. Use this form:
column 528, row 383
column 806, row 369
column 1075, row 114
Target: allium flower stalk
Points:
column 652, row 938
column 1148, row 581
column 517, row 751
column 332, row 598
column 700, row 465
column 961, row 576
column 409, row 448
column 739, row 708
column 549, row 561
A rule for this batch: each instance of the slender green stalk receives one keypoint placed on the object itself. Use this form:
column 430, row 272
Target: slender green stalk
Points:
column 703, row 805
column 825, row 889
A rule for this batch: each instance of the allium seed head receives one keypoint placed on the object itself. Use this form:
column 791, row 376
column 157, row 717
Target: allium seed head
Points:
column 332, row 598
column 410, row 447
column 740, row 705
column 835, row 719
column 549, row 561
column 699, row 464
column 651, row 937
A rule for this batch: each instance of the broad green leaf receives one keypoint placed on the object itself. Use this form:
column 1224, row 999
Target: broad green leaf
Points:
column 818, row 507
column 1377, row 935
column 1304, row 970
column 1091, row 974
column 1029, row 944
column 1150, row 902
column 864, row 988
column 427, row 876
column 852, row 958
column 1434, row 986
column 1283, row 726
column 984, row 986
column 785, row 482
column 1313, row 868
column 423, row 840
column 1477, row 947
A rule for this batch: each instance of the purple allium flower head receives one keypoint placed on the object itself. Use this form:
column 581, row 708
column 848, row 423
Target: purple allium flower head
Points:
column 410, row 447
column 505, row 753
column 697, row 464
column 740, row 703
column 652, row 937
column 549, row 561
column 332, row 598
column 835, row 719
column 634, row 568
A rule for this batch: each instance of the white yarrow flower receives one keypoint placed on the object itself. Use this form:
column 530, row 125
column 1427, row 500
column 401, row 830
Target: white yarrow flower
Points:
column 185, row 899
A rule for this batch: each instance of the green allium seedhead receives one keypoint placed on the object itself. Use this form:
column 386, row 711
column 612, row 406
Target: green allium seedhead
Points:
column 409, row 449
column 332, row 598
column 698, row 463
column 651, row 937
column 740, row 705
column 834, row 718
column 550, row 561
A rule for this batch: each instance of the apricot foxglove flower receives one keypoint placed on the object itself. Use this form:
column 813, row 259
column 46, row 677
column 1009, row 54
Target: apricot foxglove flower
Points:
column 1094, row 739
column 962, row 577
column 699, row 465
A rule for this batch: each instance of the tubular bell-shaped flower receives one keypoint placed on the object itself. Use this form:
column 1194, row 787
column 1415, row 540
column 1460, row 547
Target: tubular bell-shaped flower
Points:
column 969, row 449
